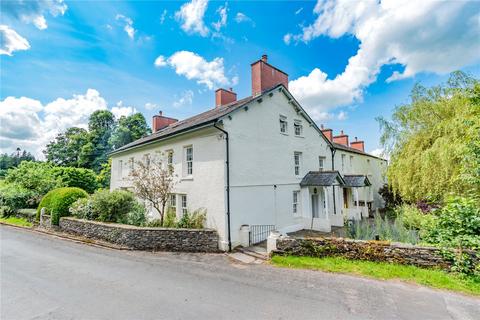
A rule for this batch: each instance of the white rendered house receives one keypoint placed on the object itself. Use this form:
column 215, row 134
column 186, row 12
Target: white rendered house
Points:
column 259, row 164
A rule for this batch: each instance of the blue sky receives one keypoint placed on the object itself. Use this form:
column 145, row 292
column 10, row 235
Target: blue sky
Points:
column 348, row 62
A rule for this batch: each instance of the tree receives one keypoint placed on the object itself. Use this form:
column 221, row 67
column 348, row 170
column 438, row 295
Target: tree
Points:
column 66, row 148
column 129, row 129
column 153, row 182
column 433, row 139
column 95, row 152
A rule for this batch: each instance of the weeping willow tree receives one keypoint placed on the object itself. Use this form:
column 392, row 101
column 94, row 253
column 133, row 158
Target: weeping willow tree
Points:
column 434, row 141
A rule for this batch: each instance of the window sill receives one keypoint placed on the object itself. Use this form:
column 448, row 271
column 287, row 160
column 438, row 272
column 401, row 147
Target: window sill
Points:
column 283, row 133
column 299, row 136
column 187, row 178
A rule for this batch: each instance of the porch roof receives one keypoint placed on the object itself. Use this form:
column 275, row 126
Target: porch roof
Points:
column 356, row 180
column 322, row 178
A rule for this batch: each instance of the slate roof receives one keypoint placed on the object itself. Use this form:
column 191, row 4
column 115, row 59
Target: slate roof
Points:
column 322, row 178
column 204, row 118
column 356, row 180
column 350, row 149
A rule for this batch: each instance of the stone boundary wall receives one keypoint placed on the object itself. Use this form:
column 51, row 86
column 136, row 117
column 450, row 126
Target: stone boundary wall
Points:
column 368, row 250
column 139, row 238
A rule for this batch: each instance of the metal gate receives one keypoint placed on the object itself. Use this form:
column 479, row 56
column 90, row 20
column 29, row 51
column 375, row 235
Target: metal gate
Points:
column 259, row 233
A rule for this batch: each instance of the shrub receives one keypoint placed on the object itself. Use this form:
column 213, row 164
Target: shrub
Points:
column 170, row 220
column 195, row 220
column 137, row 216
column 35, row 176
column 58, row 201
column 14, row 197
column 81, row 178
column 82, row 209
column 457, row 224
column 412, row 217
column 112, row 206
column 385, row 229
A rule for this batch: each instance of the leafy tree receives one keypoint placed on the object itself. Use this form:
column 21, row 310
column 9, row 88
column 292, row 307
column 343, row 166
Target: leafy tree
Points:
column 13, row 160
column 65, row 149
column 129, row 129
column 35, row 176
column 433, row 139
column 153, row 182
column 95, row 152
column 103, row 177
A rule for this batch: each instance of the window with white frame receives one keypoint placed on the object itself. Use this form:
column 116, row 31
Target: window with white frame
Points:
column 146, row 159
column 184, row 203
column 343, row 163
column 131, row 164
column 296, row 197
column 172, row 202
column 120, row 168
column 283, row 124
column 188, row 161
column 321, row 163
column 297, row 159
column 298, row 128
column 170, row 159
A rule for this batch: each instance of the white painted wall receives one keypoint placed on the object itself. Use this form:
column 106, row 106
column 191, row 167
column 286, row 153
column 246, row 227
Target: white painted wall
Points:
column 204, row 189
column 262, row 176
column 262, row 164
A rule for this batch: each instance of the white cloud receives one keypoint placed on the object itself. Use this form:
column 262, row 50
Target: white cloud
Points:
column 33, row 11
column 151, row 106
column 11, row 41
column 426, row 36
column 160, row 62
column 185, row 99
column 287, row 38
column 163, row 16
column 123, row 111
column 194, row 67
column 191, row 17
column 342, row 115
column 241, row 17
column 222, row 11
column 30, row 125
column 128, row 27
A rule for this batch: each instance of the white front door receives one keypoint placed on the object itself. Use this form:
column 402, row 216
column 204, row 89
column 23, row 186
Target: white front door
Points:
column 315, row 205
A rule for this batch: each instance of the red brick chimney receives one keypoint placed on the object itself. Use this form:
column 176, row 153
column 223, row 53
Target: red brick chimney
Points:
column 341, row 138
column 159, row 122
column 359, row 145
column 266, row 76
column 224, row 96
column 327, row 132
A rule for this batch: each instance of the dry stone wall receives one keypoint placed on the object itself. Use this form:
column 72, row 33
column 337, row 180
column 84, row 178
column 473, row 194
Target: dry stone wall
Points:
column 139, row 238
column 369, row 250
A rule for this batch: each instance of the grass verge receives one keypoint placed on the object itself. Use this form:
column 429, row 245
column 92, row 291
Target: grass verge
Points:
column 384, row 271
column 21, row 222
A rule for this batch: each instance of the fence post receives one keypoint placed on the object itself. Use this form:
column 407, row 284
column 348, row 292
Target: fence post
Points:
column 245, row 235
column 272, row 241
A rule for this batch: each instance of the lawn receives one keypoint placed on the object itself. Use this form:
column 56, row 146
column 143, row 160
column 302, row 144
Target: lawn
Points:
column 21, row 222
column 384, row 271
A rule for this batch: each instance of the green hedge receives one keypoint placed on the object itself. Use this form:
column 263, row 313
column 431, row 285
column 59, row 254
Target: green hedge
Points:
column 58, row 201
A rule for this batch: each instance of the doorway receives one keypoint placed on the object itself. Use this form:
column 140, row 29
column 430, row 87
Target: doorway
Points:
column 315, row 205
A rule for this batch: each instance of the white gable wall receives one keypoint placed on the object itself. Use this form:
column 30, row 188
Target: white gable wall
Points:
column 205, row 189
column 262, row 174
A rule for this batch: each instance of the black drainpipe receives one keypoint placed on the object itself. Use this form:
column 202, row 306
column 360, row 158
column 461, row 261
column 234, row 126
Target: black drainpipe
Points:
column 333, row 150
column 228, row 184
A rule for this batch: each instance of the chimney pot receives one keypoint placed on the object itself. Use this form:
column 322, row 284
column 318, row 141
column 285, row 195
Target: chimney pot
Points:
column 160, row 112
column 264, row 58
column 321, row 126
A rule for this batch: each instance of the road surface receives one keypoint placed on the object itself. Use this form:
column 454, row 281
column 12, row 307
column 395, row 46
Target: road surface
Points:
column 44, row 277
